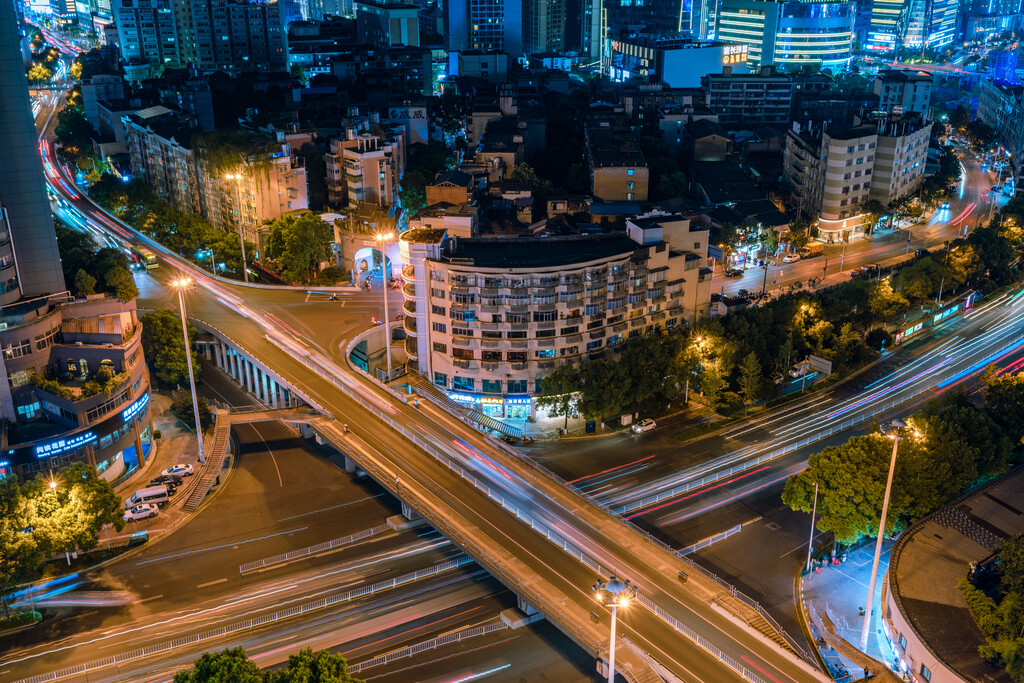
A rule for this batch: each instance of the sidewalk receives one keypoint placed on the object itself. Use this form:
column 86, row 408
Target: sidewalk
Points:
column 551, row 428
column 830, row 601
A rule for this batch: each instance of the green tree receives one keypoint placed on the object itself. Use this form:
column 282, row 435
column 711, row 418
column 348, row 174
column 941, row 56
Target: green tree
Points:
column 524, row 173
column 84, row 283
column 576, row 180
column 164, row 346
column 182, row 409
column 1004, row 402
column 120, row 281
column 316, row 175
column 73, row 135
column 313, row 667
column 299, row 244
column 558, row 392
column 873, row 211
column 227, row 666
column 68, row 511
column 751, row 378
column 712, row 382
column 39, row 73
column 673, row 185
column 413, row 194
column 886, row 303
column 20, row 554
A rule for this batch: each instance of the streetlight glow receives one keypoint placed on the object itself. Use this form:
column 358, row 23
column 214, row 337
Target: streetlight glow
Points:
column 181, row 283
column 615, row 594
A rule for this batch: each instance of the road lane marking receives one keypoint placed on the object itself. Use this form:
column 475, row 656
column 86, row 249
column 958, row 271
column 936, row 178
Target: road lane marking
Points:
column 333, row 507
column 218, row 547
column 152, row 597
column 211, row 583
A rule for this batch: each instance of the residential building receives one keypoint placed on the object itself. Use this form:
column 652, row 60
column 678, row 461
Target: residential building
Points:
column 232, row 36
column 384, row 23
column 452, row 187
column 489, row 65
column 544, row 26
column 677, row 62
column 159, row 144
column 366, row 166
column 1001, row 105
column 147, row 32
column 904, row 91
column 488, row 318
column 618, row 170
column 750, row 99
column 46, row 335
column 833, row 169
column 96, row 88
column 488, row 25
column 456, row 220
column 790, row 34
column 502, row 147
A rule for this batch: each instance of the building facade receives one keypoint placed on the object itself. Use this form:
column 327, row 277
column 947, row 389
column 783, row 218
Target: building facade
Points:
column 1001, row 106
column 790, row 35
column 835, row 169
column 366, row 167
column 909, row 91
column 618, row 170
column 147, row 32
column 544, row 26
column 677, row 62
column 387, row 23
column 160, row 149
column 484, row 25
column 741, row 99
column 487, row 319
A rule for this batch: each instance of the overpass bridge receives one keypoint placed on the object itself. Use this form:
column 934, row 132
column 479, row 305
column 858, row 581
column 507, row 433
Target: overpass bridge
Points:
column 542, row 539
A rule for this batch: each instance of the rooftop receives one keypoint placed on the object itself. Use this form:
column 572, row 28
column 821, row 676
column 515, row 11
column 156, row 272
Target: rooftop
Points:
column 539, row 252
column 422, row 236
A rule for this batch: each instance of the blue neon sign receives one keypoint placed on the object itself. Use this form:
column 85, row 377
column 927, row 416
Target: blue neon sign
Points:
column 63, row 445
column 135, row 408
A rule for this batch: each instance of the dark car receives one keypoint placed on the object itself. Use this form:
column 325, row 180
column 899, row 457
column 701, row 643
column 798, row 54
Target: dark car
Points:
column 743, row 293
column 172, row 481
column 918, row 253
column 734, row 272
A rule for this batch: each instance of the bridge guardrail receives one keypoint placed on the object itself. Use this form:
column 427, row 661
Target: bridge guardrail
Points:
column 310, row 551
column 413, row 650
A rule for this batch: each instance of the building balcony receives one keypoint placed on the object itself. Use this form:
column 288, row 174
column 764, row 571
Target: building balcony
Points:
column 409, row 273
column 411, row 348
column 409, row 290
column 409, row 324
column 464, row 363
column 520, row 366
column 409, row 307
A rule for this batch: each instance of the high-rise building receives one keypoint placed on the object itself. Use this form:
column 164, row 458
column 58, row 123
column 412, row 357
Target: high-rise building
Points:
column 25, row 208
column 928, row 24
column 484, row 25
column 544, row 26
column 789, row 35
column 886, row 22
column 385, row 24
column 147, row 32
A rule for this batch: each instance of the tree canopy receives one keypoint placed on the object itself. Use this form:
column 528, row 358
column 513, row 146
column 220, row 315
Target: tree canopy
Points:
column 164, row 346
column 233, row 666
column 299, row 244
column 104, row 270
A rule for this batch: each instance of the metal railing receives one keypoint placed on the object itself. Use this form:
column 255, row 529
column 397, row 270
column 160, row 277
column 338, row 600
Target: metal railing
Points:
column 418, row 648
column 273, row 617
column 709, row 541
column 311, row 550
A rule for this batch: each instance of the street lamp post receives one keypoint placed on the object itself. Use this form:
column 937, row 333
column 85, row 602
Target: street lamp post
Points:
column 181, row 284
column 895, row 434
column 383, row 240
column 810, row 543
column 942, row 282
column 614, row 594
column 237, row 177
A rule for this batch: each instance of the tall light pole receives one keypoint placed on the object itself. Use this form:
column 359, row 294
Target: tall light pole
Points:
column 181, row 284
column 383, row 240
column 237, row 177
column 810, row 543
column 894, row 432
column 614, row 594
column 942, row 282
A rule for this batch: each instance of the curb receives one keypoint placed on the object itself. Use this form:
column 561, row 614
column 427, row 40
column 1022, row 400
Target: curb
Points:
column 798, row 584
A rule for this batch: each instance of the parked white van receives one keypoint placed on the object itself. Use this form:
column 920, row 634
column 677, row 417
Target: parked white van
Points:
column 159, row 495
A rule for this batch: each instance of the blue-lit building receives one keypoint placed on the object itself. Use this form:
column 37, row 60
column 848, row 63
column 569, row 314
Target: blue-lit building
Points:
column 916, row 24
column 789, row 35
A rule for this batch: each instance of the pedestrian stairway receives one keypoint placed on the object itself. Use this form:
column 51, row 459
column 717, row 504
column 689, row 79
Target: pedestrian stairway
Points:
column 214, row 461
column 753, row 619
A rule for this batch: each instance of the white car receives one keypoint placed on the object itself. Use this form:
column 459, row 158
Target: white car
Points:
column 789, row 258
column 143, row 511
column 179, row 470
column 644, row 425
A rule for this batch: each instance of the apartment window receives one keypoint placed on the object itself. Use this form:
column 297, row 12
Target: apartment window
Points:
column 462, row 331
column 614, row 339
column 849, row 162
column 29, row 411
column 849, row 150
column 465, row 354
column 860, row 148
column 517, row 386
column 903, row 642
column 541, row 334
column 629, row 185
column 860, row 160
column 544, row 316
column 926, row 673
column 595, row 344
column 438, row 310
column 629, row 172
column 867, row 171
column 546, row 353
column 870, row 158
column 19, row 378
column 569, row 330
column 856, row 174
column 440, row 327
column 465, row 316
column 516, row 356
column 463, row 383
column 569, row 351
column 437, row 293
column 440, row 348
column 517, row 334
column 492, row 386
column 593, row 309
column 843, row 203
column 629, row 196
column 847, row 176
column 492, row 356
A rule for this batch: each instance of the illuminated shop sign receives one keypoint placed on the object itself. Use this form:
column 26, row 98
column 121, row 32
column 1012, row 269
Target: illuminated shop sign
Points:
column 491, row 401
column 462, row 398
column 734, row 54
column 135, row 408
column 63, row 445
column 518, row 401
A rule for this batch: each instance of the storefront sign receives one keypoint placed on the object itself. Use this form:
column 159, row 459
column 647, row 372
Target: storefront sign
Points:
column 462, row 398
column 518, row 401
column 135, row 408
column 491, row 401
column 64, row 445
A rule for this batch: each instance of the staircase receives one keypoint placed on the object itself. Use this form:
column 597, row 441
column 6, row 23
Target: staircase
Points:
column 214, row 461
column 753, row 619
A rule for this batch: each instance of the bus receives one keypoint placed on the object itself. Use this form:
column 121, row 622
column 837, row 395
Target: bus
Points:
column 145, row 258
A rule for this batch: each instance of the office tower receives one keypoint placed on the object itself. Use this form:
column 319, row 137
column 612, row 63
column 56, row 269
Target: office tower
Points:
column 148, row 32
column 544, row 26
column 887, row 19
column 36, row 269
column 789, row 35
column 484, row 25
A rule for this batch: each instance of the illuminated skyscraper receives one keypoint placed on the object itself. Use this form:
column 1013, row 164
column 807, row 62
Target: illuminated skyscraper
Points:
column 789, row 35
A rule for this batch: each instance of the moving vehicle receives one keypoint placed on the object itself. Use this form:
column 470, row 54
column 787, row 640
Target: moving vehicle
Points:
column 734, row 272
column 921, row 252
column 157, row 495
column 172, row 481
column 812, row 249
column 790, row 258
column 179, row 470
column 644, row 425
column 145, row 258
column 139, row 512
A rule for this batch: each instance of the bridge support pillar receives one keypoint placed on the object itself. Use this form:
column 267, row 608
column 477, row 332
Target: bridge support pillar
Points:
column 525, row 607
column 350, row 467
column 274, row 390
column 266, row 391
column 407, row 511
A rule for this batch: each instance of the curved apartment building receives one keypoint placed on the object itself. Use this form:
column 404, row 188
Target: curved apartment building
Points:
column 488, row 317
